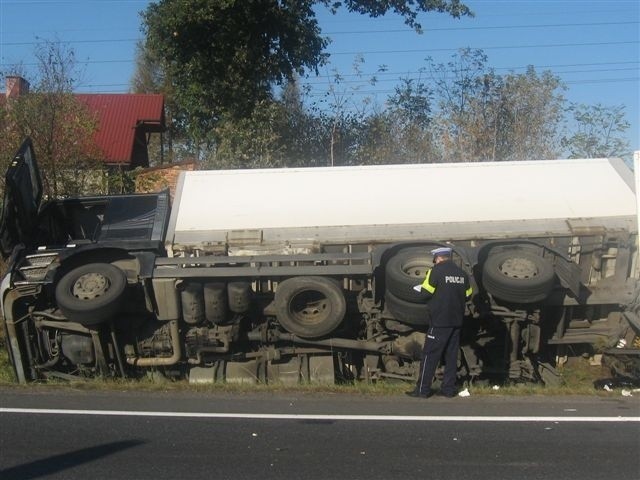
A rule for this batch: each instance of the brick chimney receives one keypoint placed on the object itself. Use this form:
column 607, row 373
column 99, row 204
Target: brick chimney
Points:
column 15, row 86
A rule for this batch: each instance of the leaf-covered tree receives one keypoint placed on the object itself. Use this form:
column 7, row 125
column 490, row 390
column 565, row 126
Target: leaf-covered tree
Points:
column 278, row 133
column 463, row 88
column 61, row 127
column 401, row 133
column 597, row 131
column 224, row 56
column 486, row 116
column 531, row 109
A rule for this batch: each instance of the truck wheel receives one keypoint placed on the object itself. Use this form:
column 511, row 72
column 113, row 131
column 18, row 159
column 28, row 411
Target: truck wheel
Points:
column 309, row 306
column 91, row 293
column 518, row 276
column 407, row 269
column 407, row 312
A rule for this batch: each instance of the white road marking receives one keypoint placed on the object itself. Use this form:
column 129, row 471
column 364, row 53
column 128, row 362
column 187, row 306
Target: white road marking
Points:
column 306, row 416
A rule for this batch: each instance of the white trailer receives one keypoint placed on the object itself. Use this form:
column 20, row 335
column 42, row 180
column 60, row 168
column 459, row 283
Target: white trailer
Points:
column 306, row 274
column 277, row 209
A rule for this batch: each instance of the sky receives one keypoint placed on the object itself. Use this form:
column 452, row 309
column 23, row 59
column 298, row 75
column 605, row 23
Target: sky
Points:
column 593, row 46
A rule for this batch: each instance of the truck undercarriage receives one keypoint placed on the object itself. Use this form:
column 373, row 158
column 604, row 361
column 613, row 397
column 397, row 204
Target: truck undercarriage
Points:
column 307, row 318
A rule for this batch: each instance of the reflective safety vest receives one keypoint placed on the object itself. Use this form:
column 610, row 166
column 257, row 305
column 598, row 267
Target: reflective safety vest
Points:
column 449, row 288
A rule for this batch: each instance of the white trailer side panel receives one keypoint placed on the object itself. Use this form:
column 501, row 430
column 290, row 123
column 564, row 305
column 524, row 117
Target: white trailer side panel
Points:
column 483, row 195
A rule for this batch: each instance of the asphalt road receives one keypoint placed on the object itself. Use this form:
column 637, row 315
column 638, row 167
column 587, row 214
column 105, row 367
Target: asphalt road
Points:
column 65, row 434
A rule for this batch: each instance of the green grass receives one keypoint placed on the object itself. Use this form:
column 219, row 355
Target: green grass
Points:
column 580, row 382
column 578, row 378
column 6, row 370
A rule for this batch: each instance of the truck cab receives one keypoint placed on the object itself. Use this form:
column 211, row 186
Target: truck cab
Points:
column 122, row 221
column 43, row 240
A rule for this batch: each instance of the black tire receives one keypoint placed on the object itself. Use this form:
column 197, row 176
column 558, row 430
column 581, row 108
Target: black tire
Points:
column 309, row 307
column 411, row 313
column 92, row 293
column 518, row 276
column 405, row 270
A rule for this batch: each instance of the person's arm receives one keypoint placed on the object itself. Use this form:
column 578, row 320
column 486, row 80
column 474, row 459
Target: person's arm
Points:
column 428, row 286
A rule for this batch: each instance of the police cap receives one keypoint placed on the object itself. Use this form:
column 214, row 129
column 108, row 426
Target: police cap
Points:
column 442, row 251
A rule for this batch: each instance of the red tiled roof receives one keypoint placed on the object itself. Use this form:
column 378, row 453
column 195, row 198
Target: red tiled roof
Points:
column 118, row 116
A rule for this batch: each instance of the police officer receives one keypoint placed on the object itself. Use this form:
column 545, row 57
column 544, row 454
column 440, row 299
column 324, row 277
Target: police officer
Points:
column 448, row 287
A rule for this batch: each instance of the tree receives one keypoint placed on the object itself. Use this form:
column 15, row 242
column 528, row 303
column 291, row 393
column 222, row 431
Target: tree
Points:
column 402, row 132
column 463, row 89
column 410, row 110
column 408, row 9
column 531, row 109
column 278, row 133
column 598, row 131
column 301, row 130
column 485, row 116
column 149, row 77
column 61, row 127
column 224, row 56
column 340, row 114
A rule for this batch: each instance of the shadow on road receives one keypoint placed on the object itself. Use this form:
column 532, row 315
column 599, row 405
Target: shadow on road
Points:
column 63, row 461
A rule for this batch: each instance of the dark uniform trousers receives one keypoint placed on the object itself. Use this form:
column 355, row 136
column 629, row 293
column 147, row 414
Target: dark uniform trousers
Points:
column 439, row 340
column 449, row 288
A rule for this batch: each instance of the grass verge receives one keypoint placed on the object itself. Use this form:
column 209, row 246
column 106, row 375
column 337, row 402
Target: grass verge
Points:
column 578, row 378
column 6, row 370
column 577, row 375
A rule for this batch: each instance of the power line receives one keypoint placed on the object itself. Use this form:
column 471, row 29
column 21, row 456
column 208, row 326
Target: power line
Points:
column 360, row 32
column 491, row 27
column 566, row 82
column 102, row 40
column 383, row 52
column 575, row 82
column 386, row 73
column 521, row 67
column 431, row 77
column 54, row 2
column 498, row 47
column 364, row 32
column 376, row 20
column 520, row 13
column 385, row 91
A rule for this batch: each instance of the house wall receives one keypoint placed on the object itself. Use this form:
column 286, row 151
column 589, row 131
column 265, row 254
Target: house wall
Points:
column 15, row 86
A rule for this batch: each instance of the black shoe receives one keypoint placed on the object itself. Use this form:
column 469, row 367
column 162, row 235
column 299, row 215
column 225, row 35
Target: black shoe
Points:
column 418, row 394
column 448, row 394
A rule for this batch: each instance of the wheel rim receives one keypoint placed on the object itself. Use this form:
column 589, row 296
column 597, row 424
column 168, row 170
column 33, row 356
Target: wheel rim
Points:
column 519, row 268
column 90, row 286
column 416, row 268
column 309, row 307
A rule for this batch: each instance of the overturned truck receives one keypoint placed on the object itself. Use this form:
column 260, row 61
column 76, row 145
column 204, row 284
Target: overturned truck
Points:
column 290, row 275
